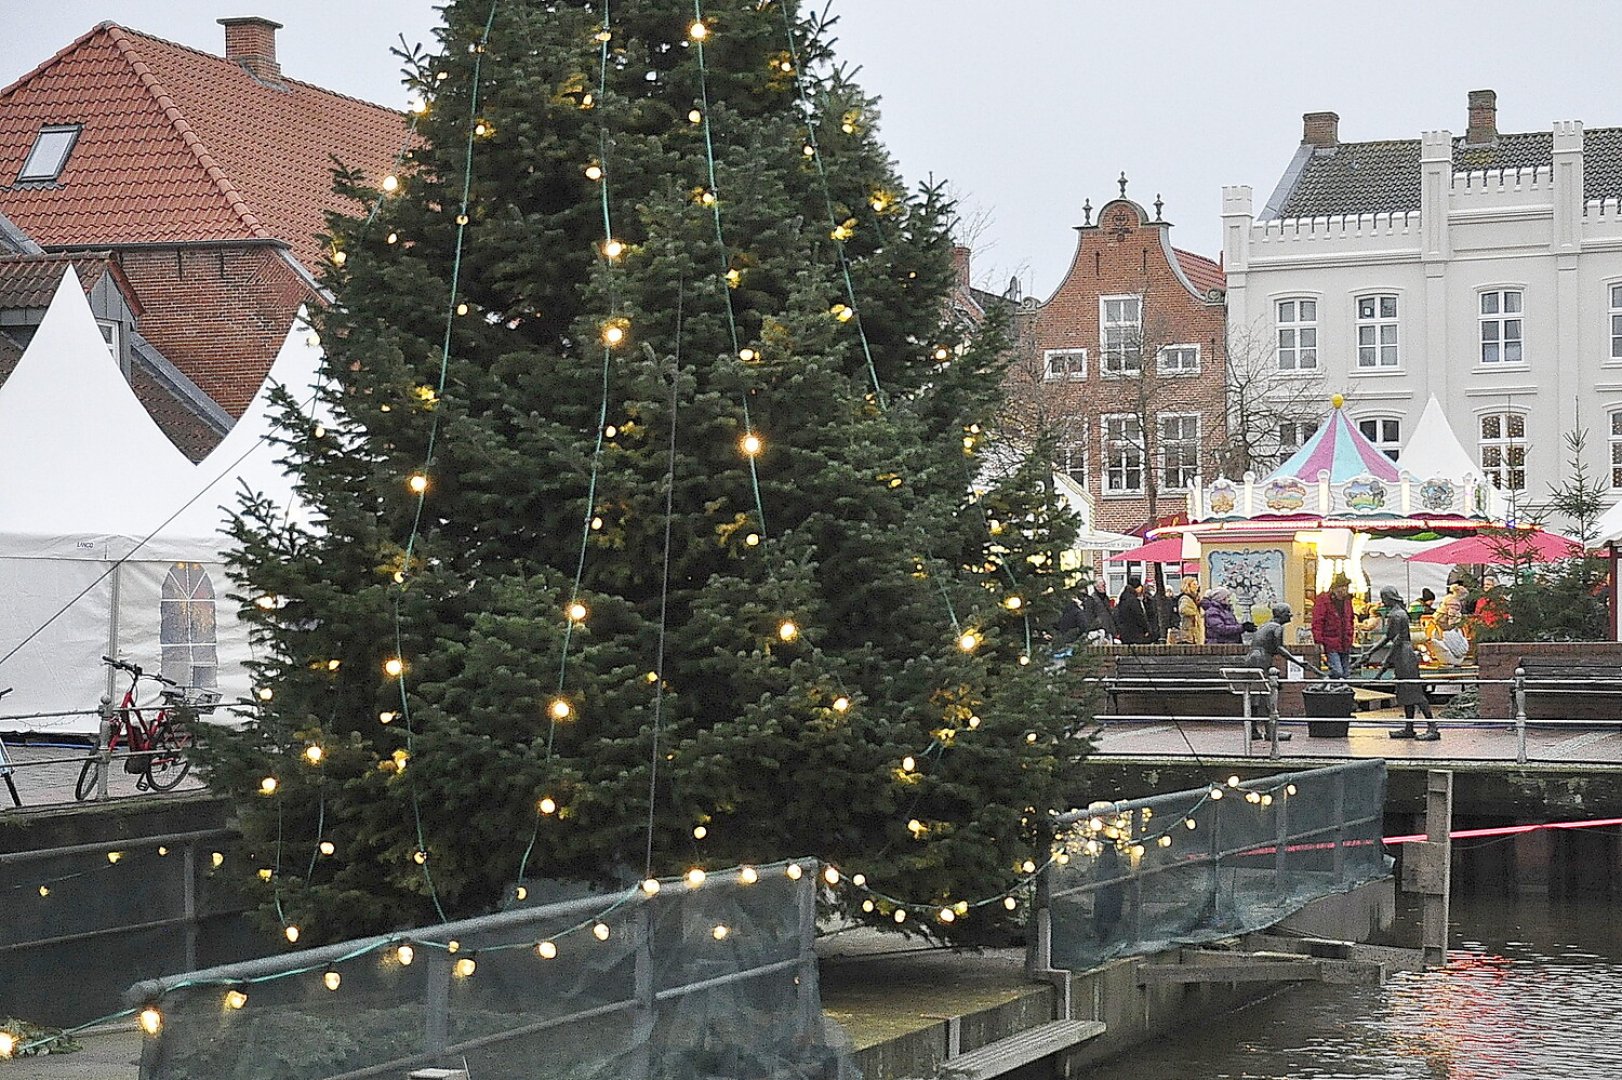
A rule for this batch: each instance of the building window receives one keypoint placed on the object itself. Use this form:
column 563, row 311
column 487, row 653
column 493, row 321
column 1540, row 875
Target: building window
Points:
column 1178, row 360
column 1298, row 335
column 1616, row 449
column 1123, row 454
column 109, row 334
column 1120, row 329
column 1179, row 450
column 1501, row 327
column 1503, row 449
column 1376, row 332
column 1073, row 460
column 1064, row 364
column 51, row 149
column 186, row 627
column 1385, row 434
column 1616, row 322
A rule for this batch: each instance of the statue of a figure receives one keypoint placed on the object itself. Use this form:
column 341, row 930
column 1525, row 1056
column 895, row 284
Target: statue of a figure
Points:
column 1266, row 646
column 1403, row 662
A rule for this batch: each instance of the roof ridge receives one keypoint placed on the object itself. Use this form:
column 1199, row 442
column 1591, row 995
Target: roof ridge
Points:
column 1194, row 255
column 217, row 58
column 52, row 59
column 123, row 40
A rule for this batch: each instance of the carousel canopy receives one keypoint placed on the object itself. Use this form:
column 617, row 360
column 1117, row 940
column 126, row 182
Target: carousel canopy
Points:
column 1339, row 449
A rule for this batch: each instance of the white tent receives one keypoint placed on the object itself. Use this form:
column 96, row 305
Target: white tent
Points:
column 1433, row 451
column 1385, row 561
column 109, row 541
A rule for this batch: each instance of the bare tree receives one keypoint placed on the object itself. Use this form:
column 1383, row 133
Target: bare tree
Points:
column 1268, row 417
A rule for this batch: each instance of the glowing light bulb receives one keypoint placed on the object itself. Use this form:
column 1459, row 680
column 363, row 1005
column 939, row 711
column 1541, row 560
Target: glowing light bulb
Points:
column 1013, row 603
column 1164, row 841
column 748, row 875
column 548, row 805
column 734, row 279
column 596, row 524
column 235, row 999
column 908, row 764
column 385, row 717
column 695, row 117
column 969, row 641
column 594, row 171
column 332, row 980
column 465, row 967
column 785, row 66
column 392, row 238
column 151, row 1020
column 787, row 630
column 900, row 915
column 808, row 150
column 613, row 249
column 650, row 886
column 577, row 611
column 719, row 933
column 694, row 878
column 267, row 786
column 942, row 353
column 750, row 445
column 603, row 36
column 291, row 933
column 521, row 893
column 560, row 709
column 1027, row 867
column 1030, row 738
column 613, row 334
column 915, row 827
column 327, row 847
column 264, row 603
column 1191, row 824
column 1289, row 789
column 405, row 954
column 1233, row 781
column 708, row 198
column 8, row 1045
column 114, row 856
column 600, row 931
column 44, row 891
column 340, row 257
column 547, row 950
column 974, row 722
column 867, row 906
column 391, row 183
column 217, row 859
column 841, row 704
column 751, row 540
column 417, row 482
column 313, row 754
column 698, row 31
column 859, row 880
column 947, row 915
column 831, row 876
column 700, row 832
column 1216, row 794
column 481, row 129
column 794, row 871
column 748, row 355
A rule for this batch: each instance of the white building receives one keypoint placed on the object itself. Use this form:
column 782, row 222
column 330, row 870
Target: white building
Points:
column 1484, row 270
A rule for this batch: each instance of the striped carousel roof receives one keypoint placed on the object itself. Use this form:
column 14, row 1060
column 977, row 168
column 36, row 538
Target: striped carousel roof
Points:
column 1339, row 449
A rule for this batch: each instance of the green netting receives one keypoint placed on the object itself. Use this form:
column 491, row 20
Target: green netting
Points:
column 691, row 983
column 1135, row 877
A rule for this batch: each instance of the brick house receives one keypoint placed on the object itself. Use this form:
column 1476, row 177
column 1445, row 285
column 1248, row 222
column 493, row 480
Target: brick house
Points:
column 203, row 179
column 1123, row 366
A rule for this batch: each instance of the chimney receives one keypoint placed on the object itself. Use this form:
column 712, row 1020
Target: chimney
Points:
column 251, row 42
column 1483, row 129
column 1321, row 129
column 960, row 264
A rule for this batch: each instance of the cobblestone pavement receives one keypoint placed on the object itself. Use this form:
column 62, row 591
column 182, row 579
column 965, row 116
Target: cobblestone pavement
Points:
column 111, row 1054
column 45, row 776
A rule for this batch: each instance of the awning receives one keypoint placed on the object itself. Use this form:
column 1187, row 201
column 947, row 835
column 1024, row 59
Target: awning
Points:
column 1165, row 550
column 1503, row 549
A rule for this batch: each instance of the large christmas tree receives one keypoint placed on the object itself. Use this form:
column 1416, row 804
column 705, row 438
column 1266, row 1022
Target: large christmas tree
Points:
column 655, row 529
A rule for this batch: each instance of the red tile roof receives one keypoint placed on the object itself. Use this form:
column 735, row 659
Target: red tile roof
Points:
column 30, row 281
column 180, row 145
column 1202, row 272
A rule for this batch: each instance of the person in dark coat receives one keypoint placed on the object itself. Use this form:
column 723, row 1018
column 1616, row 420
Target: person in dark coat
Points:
column 1072, row 621
column 1130, row 617
column 1101, row 612
column 1221, row 624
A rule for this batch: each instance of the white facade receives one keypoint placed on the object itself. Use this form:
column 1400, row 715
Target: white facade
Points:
column 1413, row 304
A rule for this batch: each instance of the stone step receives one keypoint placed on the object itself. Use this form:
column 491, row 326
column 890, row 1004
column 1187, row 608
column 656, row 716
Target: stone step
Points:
column 1032, row 1044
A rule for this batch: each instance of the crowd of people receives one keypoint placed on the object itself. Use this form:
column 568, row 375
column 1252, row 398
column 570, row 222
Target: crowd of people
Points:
column 1145, row 614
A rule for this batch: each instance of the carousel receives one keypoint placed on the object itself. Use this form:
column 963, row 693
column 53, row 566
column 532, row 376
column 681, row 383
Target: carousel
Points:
column 1339, row 505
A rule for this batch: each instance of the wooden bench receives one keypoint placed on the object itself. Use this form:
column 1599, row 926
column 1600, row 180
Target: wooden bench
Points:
column 1154, row 684
column 1558, row 688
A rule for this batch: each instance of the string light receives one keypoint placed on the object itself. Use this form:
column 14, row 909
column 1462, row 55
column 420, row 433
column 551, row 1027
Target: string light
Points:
column 748, row 875
column 8, row 1044
column 650, row 886
column 267, row 786
column 841, row 704
column 313, row 754
column 521, row 893
column 794, row 871
column 405, row 954
column 394, row 667
column 942, row 353
column 548, row 805
column 694, row 878
column 859, row 880
column 750, row 445
column 719, row 933
column 748, row 355
column 340, row 257
column 908, row 764
column 614, row 332
column 576, row 612
column 465, row 967
column 700, row 832
column 1010, row 903
column 547, row 950
column 327, row 847
column 385, row 717
column 560, row 709
column 217, row 858
column 392, row 238
column 331, row 980
column 788, row 630
column 291, row 934
column 900, row 915
column 600, row 931
column 1013, row 603
column 44, row 891
column 831, row 876
column 151, row 1020
column 695, row 117
column 946, row 915
column 417, row 482
column 235, row 999
column 734, row 278
column 391, row 183
column 752, row 540
column 969, row 641
column 594, row 171
column 698, row 31
column 114, row 856
column 613, row 249
column 419, row 857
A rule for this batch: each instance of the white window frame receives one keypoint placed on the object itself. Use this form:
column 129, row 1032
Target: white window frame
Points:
column 109, row 333
column 1183, row 366
column 1072, row 454
column 1497, row 451
column 1390, row 447
column 1190, row 468
column 1498, row 323
column 188, row 626
column 44, row 170
column 1615, row 443
column 1382, row 351
column 1126, row 358
column 1061, row 365
column 1296, row 326
column 1615, row 290
column 1114, row 476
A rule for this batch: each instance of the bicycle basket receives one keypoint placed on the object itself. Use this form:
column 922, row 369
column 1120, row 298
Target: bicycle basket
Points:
column 135, row 766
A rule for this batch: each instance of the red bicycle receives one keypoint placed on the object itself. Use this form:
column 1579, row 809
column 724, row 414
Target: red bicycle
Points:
column 157, row 746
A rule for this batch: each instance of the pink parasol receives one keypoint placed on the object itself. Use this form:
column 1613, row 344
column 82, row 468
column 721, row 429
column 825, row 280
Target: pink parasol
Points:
column 1502, row 549
column 1165, row 550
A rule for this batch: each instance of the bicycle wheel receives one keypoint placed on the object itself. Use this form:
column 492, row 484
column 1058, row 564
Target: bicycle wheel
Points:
column 168, row 765
column 89, row 778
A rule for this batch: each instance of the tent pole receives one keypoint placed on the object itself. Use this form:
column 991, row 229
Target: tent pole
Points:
column 112, row 624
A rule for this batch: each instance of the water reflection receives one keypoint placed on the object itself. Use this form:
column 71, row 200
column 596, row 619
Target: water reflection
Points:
column 1530, row 990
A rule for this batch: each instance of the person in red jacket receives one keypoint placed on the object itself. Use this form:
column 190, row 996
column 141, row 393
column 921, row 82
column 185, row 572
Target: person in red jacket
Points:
column 1332, row 626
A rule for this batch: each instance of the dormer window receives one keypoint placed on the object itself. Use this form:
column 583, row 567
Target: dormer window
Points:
column 52, row 146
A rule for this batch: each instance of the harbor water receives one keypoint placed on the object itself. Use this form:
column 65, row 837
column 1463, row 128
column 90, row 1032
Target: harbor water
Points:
column 1531, row 990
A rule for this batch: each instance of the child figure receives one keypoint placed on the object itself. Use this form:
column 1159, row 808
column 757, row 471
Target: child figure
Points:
column 1403, row 661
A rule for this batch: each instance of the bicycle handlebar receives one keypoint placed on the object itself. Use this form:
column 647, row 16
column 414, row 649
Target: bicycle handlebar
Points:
column 135, row 670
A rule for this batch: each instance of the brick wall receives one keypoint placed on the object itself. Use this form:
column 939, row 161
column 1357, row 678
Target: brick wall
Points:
column 1123, row 255
column 220, row 314
column 1498, row 659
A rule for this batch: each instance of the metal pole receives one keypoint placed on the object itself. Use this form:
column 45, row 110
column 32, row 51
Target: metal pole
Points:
column 1519, row 696
column 189, row 901
column 436, row 1004
column 1039, row 942
column 1249, row 720
column 640, row 1061
column 1272, row 713
column 1436, row 864
column 104, row 746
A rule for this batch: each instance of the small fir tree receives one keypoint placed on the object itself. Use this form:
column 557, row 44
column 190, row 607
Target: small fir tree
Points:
column 822, row 649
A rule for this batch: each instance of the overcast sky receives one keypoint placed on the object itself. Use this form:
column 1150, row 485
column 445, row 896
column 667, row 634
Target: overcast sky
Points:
column 1028, row 107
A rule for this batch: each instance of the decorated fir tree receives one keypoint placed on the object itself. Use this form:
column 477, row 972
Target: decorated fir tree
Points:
column 654, row 529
